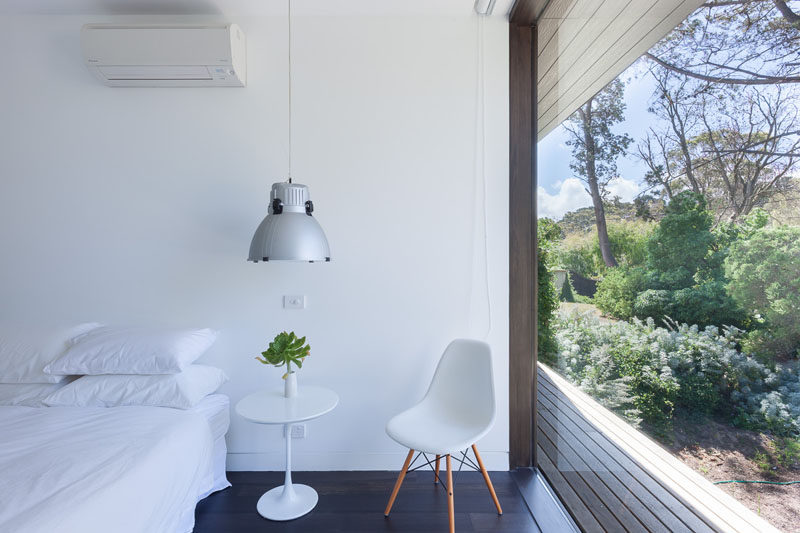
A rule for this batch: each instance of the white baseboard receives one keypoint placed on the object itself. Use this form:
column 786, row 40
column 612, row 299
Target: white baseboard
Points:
column 274, row 461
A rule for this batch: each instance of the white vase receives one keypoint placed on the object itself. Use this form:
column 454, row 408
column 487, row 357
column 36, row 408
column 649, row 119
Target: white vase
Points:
column 290, row 385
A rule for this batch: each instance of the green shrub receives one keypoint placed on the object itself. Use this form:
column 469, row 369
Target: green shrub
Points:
column 764, row 274
column 548, row 305
column 581, row 299
column 683, row 278
column 646, row 372
column 654, row 303
column 548, row 234
column 628, row 242
column 706, row 304
column 679, row 245
column 580, row 252
column 617, row 291
column 576, row 254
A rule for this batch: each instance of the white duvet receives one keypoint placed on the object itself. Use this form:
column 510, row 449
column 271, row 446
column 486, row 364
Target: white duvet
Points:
column 87, row 470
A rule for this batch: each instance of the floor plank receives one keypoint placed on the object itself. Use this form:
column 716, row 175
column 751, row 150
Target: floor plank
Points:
column 353, row 502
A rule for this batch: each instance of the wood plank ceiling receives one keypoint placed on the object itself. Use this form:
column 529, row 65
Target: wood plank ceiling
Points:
column 584, row 44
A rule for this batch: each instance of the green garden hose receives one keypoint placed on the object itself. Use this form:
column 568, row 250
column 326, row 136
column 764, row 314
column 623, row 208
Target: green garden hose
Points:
column 750, row 481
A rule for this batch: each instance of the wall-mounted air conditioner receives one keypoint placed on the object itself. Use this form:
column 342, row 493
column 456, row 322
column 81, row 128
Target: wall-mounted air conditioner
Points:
column 166, row 55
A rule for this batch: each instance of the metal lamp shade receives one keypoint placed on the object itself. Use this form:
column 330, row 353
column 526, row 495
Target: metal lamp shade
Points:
column 289, row 232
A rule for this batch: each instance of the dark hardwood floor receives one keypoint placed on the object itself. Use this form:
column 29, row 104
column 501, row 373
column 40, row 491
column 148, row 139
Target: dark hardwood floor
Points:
column 353, row 502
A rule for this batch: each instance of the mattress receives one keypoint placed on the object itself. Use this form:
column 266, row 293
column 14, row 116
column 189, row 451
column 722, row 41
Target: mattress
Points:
column 216, row 409
column 79, row 469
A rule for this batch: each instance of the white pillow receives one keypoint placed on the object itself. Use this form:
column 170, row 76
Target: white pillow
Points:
column 126, row 350
column 181, row 391
column 27, row 394
column 25, row 350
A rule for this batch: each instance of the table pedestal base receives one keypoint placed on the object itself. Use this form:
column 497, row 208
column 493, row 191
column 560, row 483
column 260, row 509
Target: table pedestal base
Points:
column 287, row 502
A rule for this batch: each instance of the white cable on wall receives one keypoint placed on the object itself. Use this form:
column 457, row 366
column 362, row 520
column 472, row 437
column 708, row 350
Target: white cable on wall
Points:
column 480, row 161
column 289, row 54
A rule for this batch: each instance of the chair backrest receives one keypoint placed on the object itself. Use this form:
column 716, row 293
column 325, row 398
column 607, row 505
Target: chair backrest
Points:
column 463, row 384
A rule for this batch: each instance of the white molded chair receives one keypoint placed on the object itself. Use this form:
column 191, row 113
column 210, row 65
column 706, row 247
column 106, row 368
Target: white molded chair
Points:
column 457, row 410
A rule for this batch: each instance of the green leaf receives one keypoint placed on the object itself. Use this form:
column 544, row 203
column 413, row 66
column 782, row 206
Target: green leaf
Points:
column 286, row 349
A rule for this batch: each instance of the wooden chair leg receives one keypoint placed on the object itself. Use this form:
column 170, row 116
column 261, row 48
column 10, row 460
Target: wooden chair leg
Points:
column 436, row 472
column 450, row 505
column 487, row 480
column 399, row 482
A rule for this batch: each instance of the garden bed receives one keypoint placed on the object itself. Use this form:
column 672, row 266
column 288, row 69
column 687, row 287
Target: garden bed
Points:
column 721, row 452
column 719, row 410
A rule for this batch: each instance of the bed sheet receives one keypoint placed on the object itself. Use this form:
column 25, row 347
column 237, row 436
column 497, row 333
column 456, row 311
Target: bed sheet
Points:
column 121, row 469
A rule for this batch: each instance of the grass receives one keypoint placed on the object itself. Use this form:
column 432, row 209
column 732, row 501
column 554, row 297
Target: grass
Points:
column 781, row 452
column 787, row 451
column 762, row 461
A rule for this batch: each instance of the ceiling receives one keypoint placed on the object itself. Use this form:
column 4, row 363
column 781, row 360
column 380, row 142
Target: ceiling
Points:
column 245, row 7
column 584, row 44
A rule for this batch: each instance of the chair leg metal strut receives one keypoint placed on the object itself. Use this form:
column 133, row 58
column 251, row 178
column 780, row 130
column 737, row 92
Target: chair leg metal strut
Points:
column 449, row 485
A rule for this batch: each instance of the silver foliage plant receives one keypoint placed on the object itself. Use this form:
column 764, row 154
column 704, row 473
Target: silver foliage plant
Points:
column 754, row 395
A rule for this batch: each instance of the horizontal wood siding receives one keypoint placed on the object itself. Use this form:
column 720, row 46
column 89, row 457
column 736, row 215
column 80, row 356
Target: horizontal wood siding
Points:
column 584, row 44
column 612, row 477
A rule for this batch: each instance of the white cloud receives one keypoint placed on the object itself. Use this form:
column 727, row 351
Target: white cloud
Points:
column 572, row 195
column 625, row 189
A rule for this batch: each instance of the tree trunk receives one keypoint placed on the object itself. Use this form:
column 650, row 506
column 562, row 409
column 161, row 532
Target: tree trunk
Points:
column 687, row 157
column 668, row 189
column 594, row 187
column 602, row 229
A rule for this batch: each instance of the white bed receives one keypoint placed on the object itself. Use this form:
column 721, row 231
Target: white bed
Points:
column 120, row 469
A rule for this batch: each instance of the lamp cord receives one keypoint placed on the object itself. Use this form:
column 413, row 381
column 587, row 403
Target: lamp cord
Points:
column 289, row 24
column 481, row 92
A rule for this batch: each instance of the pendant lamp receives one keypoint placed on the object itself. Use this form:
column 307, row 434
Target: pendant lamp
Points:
column 289, row 232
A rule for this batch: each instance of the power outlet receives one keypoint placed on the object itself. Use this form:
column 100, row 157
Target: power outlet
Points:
column 294, row 301
column 298, row 431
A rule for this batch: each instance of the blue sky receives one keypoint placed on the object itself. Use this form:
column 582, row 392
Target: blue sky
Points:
column 560, row 190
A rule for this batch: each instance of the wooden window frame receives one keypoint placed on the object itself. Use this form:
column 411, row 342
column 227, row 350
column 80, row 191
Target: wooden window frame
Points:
column 523, row 255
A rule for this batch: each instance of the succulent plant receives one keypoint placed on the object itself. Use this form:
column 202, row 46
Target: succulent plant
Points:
column 286, row 349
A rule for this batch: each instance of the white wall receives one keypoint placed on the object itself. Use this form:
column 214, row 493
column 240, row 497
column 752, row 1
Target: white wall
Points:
column 138, row 205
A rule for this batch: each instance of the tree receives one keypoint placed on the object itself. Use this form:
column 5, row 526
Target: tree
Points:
column 738, row 146
column 595, row 149
column 666, row 150
column 735, row 42
column 749, row 148
column 764, row 273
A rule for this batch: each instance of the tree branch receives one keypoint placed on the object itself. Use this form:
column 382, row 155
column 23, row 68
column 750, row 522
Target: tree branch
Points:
column 761, row 80
column 722, row 3
column 792, row 17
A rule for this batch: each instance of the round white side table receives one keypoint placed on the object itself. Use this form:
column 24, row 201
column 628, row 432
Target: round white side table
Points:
column 288, row 501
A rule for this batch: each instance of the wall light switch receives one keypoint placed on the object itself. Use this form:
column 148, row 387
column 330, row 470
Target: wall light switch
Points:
column 294, row 301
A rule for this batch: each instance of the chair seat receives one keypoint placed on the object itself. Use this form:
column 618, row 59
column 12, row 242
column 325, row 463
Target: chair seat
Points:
column 427, row 429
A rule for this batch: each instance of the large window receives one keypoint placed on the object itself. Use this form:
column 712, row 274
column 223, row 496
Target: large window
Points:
column 669, row 236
